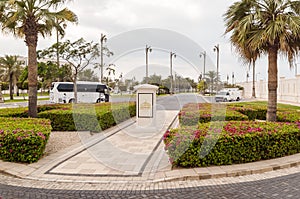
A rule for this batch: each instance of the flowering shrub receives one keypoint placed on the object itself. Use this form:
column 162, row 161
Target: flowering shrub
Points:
column 226, row 135
column 23, row 140
column 236, row 142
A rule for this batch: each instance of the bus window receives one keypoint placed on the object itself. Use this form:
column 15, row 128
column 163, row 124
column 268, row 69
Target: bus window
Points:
column 65, row 87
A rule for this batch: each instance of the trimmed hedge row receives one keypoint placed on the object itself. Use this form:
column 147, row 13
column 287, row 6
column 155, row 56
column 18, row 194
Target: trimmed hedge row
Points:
column 235, row 142
column 85, row 117
column 192, row 114
column 23, row 140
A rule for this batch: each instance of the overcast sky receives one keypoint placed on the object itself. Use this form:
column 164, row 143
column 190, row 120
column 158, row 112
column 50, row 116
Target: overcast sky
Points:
column 186, row 27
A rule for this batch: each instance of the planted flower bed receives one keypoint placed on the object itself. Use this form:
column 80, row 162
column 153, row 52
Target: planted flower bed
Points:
column 235, row 142
column 206, row 137
column 23, row 140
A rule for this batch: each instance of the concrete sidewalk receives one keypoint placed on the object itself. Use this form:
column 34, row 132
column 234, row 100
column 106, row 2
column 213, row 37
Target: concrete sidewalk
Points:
column 127, row 154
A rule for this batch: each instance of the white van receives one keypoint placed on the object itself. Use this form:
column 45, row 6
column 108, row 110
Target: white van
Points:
column 228, row 95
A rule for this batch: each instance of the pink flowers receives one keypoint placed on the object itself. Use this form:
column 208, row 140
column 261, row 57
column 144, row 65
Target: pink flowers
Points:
column 41, row 135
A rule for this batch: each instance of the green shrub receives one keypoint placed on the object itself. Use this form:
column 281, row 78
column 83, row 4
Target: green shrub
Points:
column 236, row 142
column 89, row 117
column 21, row 112
column 192, row 114
column 23, row 140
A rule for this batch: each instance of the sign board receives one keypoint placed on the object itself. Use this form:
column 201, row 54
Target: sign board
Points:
column 145, row 105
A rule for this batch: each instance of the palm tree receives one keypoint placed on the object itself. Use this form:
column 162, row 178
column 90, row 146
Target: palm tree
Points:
column 270, row 26
column 12, row 68
column 211, row 79
column 27, row 19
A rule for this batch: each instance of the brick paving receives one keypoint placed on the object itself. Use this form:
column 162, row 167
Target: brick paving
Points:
column 275, row 184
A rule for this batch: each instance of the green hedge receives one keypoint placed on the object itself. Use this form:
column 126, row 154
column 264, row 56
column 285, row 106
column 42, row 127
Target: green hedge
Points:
column 237, row 142
column 23, row 140
column 192, row 114
column 87, row 117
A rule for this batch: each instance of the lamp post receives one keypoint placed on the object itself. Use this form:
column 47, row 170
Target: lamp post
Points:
column 204, row 60
column 171, row 72
column 217, row 49
column 103, row 39
column 148, row 49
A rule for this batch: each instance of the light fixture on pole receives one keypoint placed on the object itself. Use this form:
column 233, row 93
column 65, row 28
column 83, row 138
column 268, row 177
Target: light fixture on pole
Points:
column 171, row 72
column 204, row 60
column 102, row 40
column 148, row 49
column 217, row 49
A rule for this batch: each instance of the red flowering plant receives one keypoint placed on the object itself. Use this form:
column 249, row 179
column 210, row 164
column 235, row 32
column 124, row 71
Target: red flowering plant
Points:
column 23, row 140
column 235, row 142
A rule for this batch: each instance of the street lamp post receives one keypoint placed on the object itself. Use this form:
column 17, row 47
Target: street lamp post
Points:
column 103, row 39
column 204, row 60
column 217, row 49
column 148, row 49
column 171, row 72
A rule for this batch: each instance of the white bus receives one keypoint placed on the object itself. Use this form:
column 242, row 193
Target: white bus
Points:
column 87, row 92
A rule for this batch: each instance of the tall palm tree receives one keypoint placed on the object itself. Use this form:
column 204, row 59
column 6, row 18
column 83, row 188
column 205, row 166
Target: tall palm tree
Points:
column 27, row 19
column 272, row 27
column 12, row 67
column 211, row 79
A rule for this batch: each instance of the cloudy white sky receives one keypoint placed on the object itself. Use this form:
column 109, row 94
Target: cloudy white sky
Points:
column 196, row 23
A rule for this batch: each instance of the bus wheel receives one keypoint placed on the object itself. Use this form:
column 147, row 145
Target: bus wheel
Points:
column 72, row 101
column 98, row 100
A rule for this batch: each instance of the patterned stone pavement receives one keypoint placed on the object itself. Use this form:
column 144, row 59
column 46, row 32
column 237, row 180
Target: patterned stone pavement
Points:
column 276, row 184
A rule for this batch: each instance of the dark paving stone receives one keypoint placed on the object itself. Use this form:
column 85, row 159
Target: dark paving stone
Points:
column 280, row 187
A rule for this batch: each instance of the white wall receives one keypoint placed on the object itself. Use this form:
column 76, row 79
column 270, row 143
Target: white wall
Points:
column 288, row 89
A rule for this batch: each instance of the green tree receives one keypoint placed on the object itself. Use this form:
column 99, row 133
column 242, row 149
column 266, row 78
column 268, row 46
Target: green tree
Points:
column 27, row 19
column 78, row 55
column 272, row 27
column 211, row 81
column 202, row 86
column 87, row 75
column 12, row 68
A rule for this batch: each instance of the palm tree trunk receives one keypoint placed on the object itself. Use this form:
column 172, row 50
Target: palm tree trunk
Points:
column 272, row 84
column 253, row 82
column 11, row 86
column 32, row 81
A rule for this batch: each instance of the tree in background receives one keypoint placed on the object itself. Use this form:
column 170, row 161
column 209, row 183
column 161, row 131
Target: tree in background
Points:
column 27, row 19
column 270, row 26
column 12, row 69
column 87, row 75
column 211, row 81
column 78, row 55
